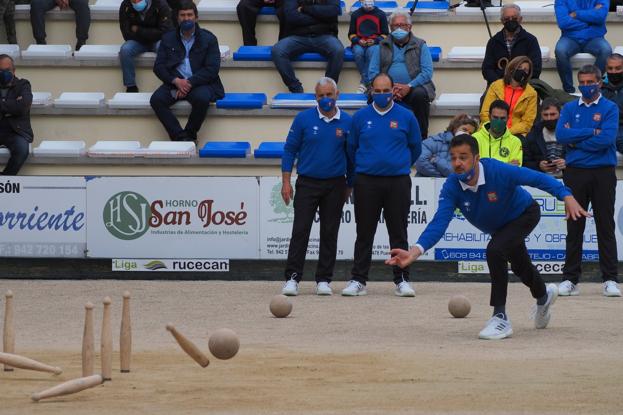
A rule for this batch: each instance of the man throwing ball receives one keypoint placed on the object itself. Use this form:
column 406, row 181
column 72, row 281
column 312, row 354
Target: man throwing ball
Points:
column 489, row 194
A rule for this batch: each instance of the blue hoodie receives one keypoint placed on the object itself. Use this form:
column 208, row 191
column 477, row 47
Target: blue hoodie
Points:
column 497, row 202
column 435, row 158
column 589, row 23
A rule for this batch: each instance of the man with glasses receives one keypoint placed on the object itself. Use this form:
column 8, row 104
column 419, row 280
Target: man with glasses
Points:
column 408, row 61
column 512, row 41
column 588, row 129
column 495, row 140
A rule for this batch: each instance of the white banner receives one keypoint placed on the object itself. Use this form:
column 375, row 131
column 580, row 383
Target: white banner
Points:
column 276, row 222
column 173, row 217
column 42, row 216
column 171, row 265
column 481, row 267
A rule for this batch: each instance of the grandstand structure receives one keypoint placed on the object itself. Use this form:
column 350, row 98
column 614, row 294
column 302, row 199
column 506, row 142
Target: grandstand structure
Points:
column 102, row 116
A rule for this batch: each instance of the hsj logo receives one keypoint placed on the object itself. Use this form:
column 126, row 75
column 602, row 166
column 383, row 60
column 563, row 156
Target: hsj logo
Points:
column 126, row 215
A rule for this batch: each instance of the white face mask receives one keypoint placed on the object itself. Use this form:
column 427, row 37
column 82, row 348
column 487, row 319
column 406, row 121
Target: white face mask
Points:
column 460, row 132
column 367, row 4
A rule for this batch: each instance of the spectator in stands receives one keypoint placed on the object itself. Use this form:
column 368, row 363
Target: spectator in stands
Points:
column 142, row 22
column 247, row 16
column 520, row 96
column 583, row 27
column 612, row 89
column 7, row 19
column 512, row 41
column 317, row 139
column 15, row 101
column 384, row 143
column 541, row 151
column 407, row 59
column 435, row 158
column 495, row 140
column 311, row 26
column 588, row 129
column 188, row 63
column 368, row 26
column 38, row 8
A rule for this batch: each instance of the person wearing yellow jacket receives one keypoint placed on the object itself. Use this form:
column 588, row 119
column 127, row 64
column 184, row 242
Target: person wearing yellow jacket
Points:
column 520, row 96
column 495, row 140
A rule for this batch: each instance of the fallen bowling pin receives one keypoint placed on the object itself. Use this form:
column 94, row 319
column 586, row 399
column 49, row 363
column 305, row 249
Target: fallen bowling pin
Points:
column 22, row 362
column 189, row 347
column 69, row 387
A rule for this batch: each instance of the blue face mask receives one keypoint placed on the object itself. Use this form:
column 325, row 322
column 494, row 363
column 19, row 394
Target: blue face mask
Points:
column 140, row 6
column 382, row 100
column 400, row 34
column 6, row 77
column 465, row 177
column 589, row 91
column 187, row 25
column 326, row 104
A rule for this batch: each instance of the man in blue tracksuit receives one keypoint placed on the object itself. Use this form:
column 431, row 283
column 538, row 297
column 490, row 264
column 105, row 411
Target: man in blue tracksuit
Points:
column 384, row 143
column 489, row 194
column 317, row 139
column 588, row 129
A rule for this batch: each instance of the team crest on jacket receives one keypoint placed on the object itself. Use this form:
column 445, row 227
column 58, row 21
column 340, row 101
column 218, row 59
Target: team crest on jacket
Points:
column 504, row 152
column 393, row 124
column 339, row 132
column 493, row 197
column 597, row 116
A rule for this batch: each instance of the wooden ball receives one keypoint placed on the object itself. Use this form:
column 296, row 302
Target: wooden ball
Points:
column 459, row 306
column 280, row 306
column 224, row 344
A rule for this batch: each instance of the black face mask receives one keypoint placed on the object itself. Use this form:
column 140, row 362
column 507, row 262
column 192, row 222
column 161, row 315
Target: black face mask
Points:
column 511, row 25
column 520, row 76
column 615, row 78
column 550, row 124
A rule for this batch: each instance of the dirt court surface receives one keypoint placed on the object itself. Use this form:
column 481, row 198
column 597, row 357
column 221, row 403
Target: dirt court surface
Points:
column 378, row 354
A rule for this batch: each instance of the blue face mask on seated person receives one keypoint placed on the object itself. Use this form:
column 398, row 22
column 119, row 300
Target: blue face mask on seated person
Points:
column 187, row 25
column 588, row 91
column 400, row 34
column 140, row 6
column 6, row 76
column 382, row 100
column 326, row 104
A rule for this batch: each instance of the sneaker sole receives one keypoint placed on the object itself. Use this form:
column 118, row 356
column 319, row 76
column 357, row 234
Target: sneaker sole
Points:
column 611, row 295
column 571, row 294
column 397, row 294
column 355, row 295
column 321, row 294
column 497, row 337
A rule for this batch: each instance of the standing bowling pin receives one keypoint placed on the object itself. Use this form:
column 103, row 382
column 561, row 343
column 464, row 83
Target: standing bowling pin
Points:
column 189, row 347
column 66, row 388
column 125, row 338
column 106, row 341
column 88, row 342
column 8, row 339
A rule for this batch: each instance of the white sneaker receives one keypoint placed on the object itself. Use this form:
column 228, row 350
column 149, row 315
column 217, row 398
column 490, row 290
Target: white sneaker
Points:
column 362, row 89
column 323, row 288
column 290, row 288
column 541, row 312
column 496, row 328
column 354, row 288
column 404, row 289
column 611, row 289
column 567, row 288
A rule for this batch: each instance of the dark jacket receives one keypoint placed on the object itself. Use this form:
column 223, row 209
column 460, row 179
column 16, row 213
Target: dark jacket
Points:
column 534, row 148
column 205, row 60
column 525, row 45
column 15, row 108
column 317, row 17
column 157, row 21
column 615, row 94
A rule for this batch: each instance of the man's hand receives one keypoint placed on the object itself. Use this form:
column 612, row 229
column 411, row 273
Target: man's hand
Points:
column 401, row 90
column 183, row 85
column 180, row 94
column 598, row 6
column 573, row 15
column 567, row 125
column 134, row 28
column 363, row 43
column 596, row 131
column 370, row 42
column 62, row 4
column 287, row 193
column 514, row 162
column 547, row 166
column 403, row 258
column 573, row 210
column 559, row 163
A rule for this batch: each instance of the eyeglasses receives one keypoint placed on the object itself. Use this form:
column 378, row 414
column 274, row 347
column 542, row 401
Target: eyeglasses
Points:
column 401, row 25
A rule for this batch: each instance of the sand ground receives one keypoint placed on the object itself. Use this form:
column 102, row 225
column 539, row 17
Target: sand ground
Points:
column 369, row 355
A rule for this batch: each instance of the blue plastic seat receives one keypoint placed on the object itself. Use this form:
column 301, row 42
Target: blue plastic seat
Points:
column 268, row 10
column 225, row 149
column 435, row 53
column 269, row 150
column 263, row 53
column 235, row 100
column 383, row 5
column 437, row 5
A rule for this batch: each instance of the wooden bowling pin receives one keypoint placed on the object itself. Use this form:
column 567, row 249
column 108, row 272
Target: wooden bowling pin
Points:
column 8, row 338
column 106, row 341
column 125, row 337
column 88, row 362
column 69, row 387
column 189, row 347
column 22, row 362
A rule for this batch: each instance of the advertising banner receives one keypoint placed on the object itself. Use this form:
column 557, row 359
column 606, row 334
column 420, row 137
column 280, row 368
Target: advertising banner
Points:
column 42, row 217
column 276, row 222
column 171, row 265
column 173, row 217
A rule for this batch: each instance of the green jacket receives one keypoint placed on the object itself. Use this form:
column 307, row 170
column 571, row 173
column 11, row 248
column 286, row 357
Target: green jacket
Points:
column 506, row 148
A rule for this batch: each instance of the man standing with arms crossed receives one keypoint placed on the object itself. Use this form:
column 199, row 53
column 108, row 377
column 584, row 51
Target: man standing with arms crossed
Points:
column 317, row 139
column 489, row 195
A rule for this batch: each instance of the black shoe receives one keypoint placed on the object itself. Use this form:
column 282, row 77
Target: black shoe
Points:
column 131, row 89
column 297, row 90
column 79, row 44
column 41, row 42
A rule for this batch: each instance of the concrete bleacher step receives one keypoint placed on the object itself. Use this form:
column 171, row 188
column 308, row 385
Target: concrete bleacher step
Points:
column 41, row 99
column 47, row 52
column 95, row 52
column 477, row 53
column 308, row 100
column 115, row 149
column 80, row 100
column 11, row 50
column 106, row 6
column 170, row 149
column 60, row 148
